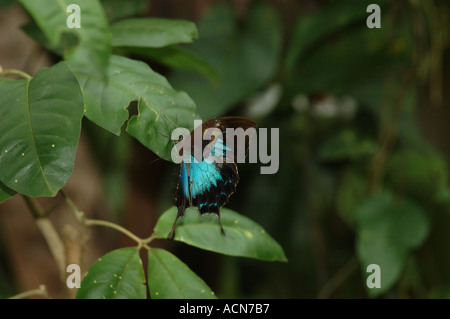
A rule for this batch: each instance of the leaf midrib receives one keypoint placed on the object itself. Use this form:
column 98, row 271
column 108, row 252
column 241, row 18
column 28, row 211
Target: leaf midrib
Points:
column 33, row 141
column 125, row 269
column 168, row 272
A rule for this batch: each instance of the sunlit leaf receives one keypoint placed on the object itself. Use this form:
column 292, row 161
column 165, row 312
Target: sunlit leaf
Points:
column 243, row 237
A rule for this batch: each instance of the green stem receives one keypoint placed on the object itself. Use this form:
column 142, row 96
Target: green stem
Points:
column 8, row 72
column 49, row 232
column 34, row 207
column 148, row 239
column 41, row 291
column 79, row 215
column 97, row 222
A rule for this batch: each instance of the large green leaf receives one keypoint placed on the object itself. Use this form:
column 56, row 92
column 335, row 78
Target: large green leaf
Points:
column 152, row 32
column 160, row 108
column 94, row 36
column 40, row 123
column 387, row 231
column 243, row 237
column 169, row 277
column 117, row 275
column 244, row 57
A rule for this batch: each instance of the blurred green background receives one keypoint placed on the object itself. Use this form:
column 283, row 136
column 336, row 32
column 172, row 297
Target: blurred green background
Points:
column 364, row 144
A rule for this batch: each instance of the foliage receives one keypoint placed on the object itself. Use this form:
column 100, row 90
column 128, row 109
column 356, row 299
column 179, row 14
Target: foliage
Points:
column 358, row 184
column 41, row 123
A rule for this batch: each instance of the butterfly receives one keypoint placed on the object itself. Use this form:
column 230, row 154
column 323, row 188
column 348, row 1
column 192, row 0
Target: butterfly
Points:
column 208, row 184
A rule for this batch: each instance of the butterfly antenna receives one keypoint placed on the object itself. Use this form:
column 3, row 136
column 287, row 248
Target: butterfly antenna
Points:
column 155, row 160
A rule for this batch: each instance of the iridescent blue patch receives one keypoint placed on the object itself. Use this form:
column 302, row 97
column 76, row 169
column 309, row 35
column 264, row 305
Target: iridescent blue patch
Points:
column 208, row 184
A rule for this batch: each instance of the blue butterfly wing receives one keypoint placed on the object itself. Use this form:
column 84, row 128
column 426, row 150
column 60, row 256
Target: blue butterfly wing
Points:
column 212, row 185
column 205, row 184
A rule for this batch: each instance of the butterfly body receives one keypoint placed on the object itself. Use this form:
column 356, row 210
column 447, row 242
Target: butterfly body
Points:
column 208, row 184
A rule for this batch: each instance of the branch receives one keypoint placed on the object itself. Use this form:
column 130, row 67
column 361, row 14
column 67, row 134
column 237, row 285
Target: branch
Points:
column 96, row 222
column 41, row 291
column 50, row 234
column 8, row 72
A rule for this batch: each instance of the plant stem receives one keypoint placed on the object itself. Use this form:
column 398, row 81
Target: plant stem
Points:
column 34, row 207
column 41, row 291
column 148, row 239
column 97, row 222
column 50, row 234
column 22, row 74
column 79, row 215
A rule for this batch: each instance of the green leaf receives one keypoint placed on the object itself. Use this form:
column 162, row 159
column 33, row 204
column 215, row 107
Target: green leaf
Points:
column 314, row 26
column 176, row 57
column 337, row 65
column 350, row 193
column 420, row 175
column 169, row 277
column 40, row 123
column 160, row 108
column 117, row 275
column 345, row 145
column 243, row 237
column 152, row 32
column 119, row 9
column 245, row 58
column 94, row 36
column 5, row 192
column 387, row 231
